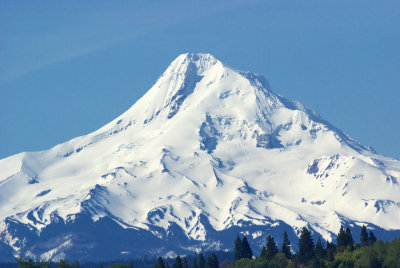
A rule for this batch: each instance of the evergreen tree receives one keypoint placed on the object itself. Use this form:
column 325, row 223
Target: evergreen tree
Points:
column 319, row 249
column 306, row 246
column 237, row 251
column 330, row 250
column 178, row 262
column 271, row 248
column 202, row 261
column 372, row 238
column 212, row 261
column 63, row 263
column 263, row 252
column 185, row 263
column 246, row 250
column 341, row 237
column 160, row 263
column 349, row 239
column 286, row 246
column 364, row 240
column 195, row 262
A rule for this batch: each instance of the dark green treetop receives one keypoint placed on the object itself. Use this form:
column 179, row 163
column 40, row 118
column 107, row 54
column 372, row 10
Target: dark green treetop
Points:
column 185, row 263
column 286, row 246
column 160, row 263
column 319, row 249
column 306, row 246
column 341, row 237
column 364, row 240
column 237, row 251
column 178, row 262
column 246, row 251
column 271, row 249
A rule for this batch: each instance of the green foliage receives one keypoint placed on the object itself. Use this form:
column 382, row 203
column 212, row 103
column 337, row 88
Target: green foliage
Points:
column 286, row 246
column 63, row 263
column 246, row 251
column 364, row 239
column 270, row 249
column 349, row 239
column 341, row 237
column 319, row 250
column 393, row 254
column 344, row 239
column 372, row 238
column 378, row 255
column 237, row 251
column 280, row 260
column 242, row 249
column 306, row 246
column 251, row 263
column 368, row 257
column 330, row 251
column 22, row 263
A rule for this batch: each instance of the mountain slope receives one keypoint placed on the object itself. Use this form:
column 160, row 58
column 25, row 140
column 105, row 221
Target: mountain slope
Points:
column 207, row 152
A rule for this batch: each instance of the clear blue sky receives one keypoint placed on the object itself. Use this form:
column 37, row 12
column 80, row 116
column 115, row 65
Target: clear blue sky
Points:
column 69, row 67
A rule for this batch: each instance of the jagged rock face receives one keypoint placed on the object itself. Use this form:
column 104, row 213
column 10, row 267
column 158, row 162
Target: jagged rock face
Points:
column 206, row 153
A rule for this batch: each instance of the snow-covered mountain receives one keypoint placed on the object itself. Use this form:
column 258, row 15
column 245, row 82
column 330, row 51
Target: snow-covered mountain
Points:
column 207, row 153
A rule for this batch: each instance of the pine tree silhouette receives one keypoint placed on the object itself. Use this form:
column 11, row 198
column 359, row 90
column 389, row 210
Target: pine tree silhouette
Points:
column 319, row 249
column 364, row 240
column 372, row 238
column 341, row 237
column 178, row 262
column 202, row 261
column 237, row 251
column 306, row 246
column 271, row 248
column 160, row 263
column 349, row 239
column 246, row 250
column 286, row 246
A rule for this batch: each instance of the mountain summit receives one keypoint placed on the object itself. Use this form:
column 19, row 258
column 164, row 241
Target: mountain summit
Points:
column 207, row 153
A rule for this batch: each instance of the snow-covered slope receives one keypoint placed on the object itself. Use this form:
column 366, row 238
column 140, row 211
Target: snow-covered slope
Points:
column 207, row 152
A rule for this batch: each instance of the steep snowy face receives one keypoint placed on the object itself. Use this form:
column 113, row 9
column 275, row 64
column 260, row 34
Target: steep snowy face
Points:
column 207, row 148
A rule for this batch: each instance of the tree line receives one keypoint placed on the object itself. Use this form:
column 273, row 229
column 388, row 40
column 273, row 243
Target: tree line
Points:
column 198, row 262
column 344, row 253
column 368, row 252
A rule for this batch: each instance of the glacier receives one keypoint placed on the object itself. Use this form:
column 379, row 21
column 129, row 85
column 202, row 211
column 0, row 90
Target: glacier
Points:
column 207, row 153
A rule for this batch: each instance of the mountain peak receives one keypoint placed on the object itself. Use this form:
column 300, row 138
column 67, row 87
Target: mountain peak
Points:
column 177, row 83
column 208, row 151
column 199, row 61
